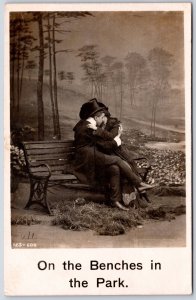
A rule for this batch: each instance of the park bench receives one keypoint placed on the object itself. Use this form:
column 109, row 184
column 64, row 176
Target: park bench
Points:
column 49, row 163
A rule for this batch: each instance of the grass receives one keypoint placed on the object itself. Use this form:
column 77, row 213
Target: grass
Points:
column 24, row 220
column 165, row 212
column 170, row 191
column 105, row 220
column 101, row 218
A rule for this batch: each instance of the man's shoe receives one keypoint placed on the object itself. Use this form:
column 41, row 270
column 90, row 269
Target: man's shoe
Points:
column 120, row 206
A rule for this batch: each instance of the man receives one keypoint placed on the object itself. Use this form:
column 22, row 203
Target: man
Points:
column 92, row 165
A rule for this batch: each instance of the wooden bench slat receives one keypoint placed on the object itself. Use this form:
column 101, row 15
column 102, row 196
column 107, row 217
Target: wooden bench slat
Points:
column 58, row 177
column 60, row 151
column 53, row 156
column 63, row 177
column 49, row 162
column 43, row 173
column 48, row 142
column 79, row 186
column 43, row 169
column 49, row 145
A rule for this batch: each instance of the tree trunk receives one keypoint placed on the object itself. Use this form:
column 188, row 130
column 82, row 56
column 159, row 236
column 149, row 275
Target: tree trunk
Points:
column 91, row 88
column 155, row 110
column 40, row 104
column 21, row 77
column 13, row 77
column 152, row 117
column 131, row 94
column 50, row 80
column 55, row 81
column 155, row 113
column 115, row 100
column 96, row 94
column 121, row 97
column 18, row 75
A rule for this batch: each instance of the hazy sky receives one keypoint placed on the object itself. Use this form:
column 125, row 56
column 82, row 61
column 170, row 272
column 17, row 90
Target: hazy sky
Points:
column 117, row 33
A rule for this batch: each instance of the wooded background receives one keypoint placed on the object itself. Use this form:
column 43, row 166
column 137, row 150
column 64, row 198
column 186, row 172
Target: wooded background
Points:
column 132, row 61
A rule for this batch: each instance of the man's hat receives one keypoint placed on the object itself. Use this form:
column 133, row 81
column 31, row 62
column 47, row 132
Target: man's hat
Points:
column 90, row 108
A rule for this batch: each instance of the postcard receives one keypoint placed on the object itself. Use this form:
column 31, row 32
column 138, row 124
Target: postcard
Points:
column 98, row 149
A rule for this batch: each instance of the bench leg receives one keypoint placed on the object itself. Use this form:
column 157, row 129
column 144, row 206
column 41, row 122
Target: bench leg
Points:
column 38, row 193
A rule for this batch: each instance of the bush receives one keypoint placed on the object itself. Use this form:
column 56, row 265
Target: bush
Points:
column 18, row 164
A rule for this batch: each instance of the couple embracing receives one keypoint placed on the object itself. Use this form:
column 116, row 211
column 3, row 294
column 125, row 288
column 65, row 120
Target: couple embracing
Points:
column 100, row 158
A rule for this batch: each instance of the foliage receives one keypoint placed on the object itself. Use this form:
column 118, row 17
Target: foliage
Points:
column 25, row 220
column 21, row 40
column 20, row 134
column 167, row 166
column 18, row 165
column 163, row 212
column 69, row 76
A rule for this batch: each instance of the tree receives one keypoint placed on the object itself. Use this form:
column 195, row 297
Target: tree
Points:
column 160, row 63
column 110, row 87
column 92, row 68
column 136, row 67
column 21, row 40
column 50, row 26
column 38, row 18
column 55, row 21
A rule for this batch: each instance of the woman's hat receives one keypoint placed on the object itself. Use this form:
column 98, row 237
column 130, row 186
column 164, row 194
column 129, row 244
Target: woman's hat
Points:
column 105, row 108
column 90, row 108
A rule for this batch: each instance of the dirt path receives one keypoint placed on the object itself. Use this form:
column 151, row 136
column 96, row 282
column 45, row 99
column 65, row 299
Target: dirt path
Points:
column 152, row 234
column 167, row 146
column 160, row 126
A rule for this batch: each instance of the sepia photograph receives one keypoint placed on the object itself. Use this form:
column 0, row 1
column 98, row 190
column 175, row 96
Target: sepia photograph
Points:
column 98, row 136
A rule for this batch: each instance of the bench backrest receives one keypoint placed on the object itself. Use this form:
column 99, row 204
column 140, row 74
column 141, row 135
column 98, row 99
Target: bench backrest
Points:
column 56, row 154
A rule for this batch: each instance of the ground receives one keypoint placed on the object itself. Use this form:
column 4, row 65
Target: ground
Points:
column 156, row 232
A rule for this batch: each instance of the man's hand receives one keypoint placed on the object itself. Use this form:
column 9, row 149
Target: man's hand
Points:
column 92, row 126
